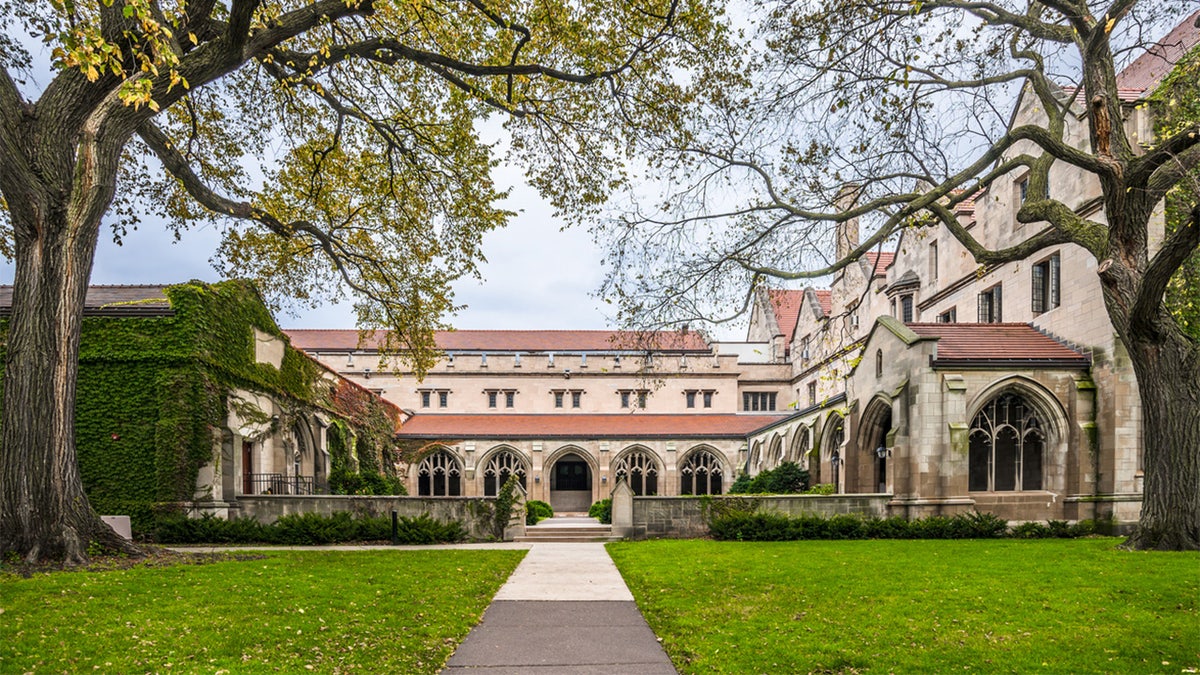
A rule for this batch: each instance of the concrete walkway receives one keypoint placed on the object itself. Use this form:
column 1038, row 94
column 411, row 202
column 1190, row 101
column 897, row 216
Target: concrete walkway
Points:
column 565, row 609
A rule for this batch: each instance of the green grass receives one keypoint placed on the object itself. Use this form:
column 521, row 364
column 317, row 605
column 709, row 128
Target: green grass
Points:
column 1045, row 606
column 293, row 611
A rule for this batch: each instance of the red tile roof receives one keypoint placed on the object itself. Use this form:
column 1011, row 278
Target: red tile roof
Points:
column 1147, row 70
column 825, row 297
column 786, row 305
column 512, row 340
column 880, row 261
column 630, row 425
column 998, row 344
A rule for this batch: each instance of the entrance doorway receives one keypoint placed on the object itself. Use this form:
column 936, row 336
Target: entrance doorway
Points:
column 571, row 484
column 247, row 468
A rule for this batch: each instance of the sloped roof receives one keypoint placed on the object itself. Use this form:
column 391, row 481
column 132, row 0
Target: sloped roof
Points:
column 629, row 425
column 512, row 340
column 1146, row 71
column 119, row 300
column 1012, row 344
column 825, row 298
column 879, row 262
column 786, row 305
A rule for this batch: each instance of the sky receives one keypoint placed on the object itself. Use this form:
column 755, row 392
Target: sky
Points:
column 536, row 276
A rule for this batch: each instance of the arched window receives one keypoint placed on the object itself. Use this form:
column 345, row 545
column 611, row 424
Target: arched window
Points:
column 439, row 475
column 801, row 444
column 700, row 474
column 1006, row 445
column 640, row 470
column 775, row 454
column 500, row 467
column 878, row 363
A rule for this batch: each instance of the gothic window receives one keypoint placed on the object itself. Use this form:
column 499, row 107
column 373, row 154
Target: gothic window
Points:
column 758, row 400
column 837, row 436
column 439, row 475
column 878, row 363
column 800, row 444
column 1007, row 442
column 906, row 308
column 639, row 469
column 502, row 465
column 700, row 474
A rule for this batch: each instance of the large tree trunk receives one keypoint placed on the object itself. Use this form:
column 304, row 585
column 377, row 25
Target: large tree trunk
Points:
column 1168, row 375
column 44, row 513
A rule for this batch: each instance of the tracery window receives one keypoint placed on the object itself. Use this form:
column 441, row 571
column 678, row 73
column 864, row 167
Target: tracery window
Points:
column 639, row 469
column 700, row 474
column 1007, row 441
column 439, row 475
column 502, row 465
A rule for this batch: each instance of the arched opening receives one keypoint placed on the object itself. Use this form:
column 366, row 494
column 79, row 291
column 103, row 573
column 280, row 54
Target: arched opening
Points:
column 800, row 453
column 701, row 474
column 775, row 453
column 1007, row 443
column 876, row 425
column 831, row 448
column 500, row 466
column 439, row 475
column 640, row 470
column 570, row 484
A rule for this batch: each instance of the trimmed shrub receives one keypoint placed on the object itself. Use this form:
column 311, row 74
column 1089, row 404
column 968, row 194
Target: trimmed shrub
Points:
column 537, row 510
column 305, row 529
column 602, row 510
column 740, row 522
column 787, row 478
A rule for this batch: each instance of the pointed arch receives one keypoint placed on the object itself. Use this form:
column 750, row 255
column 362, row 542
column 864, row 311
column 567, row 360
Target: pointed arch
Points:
column 833, row 438
column 501, row 463
column 702, row 471
column 439, row 474
column 640, row 468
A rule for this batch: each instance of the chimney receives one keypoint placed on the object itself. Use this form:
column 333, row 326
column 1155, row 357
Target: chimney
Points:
column 846, row 232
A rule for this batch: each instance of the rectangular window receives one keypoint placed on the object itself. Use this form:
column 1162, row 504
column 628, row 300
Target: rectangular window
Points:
column 812, row 393
column 558, row 399
column 933, row 260
column 443, row 399
column 990, row 305
column 1045, row 282
column 758, row 400
column 642, row 399
column 708, row 399
column 948, row 316
column 425, row 396
column 906, row 309
column 691, row 398
column 624, row 399
column 576, row 399
column 492, row 399
column 510, row 398
column 1023, row 189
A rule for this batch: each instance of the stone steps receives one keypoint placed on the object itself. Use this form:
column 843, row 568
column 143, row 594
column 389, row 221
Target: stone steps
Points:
column 568, row 530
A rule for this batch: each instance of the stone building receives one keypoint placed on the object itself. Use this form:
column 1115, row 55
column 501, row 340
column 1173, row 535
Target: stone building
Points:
column 916, row 374
column 570, row 412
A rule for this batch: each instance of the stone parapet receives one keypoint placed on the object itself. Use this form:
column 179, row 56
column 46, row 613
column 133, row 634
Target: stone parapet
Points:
column 475, row 513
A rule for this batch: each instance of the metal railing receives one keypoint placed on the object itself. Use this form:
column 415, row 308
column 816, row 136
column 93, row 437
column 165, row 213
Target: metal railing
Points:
column 280, row 484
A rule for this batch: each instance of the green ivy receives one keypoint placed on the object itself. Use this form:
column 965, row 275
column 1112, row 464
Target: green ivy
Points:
column 153, row 394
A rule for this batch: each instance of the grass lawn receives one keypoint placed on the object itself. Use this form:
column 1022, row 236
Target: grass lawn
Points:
column 1045, row 606
column 292, row 611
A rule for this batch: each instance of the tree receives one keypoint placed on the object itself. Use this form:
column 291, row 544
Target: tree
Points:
column 894, row 112
column 359, row 122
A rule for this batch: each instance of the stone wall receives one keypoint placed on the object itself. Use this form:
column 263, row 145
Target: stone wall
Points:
column 473, row 512
column 681, row 517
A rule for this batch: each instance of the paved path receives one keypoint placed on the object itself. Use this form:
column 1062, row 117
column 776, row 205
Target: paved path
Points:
column 567, row 610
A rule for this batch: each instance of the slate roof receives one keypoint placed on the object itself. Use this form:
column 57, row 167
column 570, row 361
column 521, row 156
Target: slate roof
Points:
column 512, row 340
column 128, row 300
column 1007, row 344
column 626, row 426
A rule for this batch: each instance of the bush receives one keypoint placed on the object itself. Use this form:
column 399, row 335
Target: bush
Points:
column 822, row 489
column 787, row 478
column 537, row 510
column 305, row 529
column 602, row 510
column 737, row 520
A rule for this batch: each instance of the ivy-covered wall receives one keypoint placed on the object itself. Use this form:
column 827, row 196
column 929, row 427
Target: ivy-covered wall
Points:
column 153, row 395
